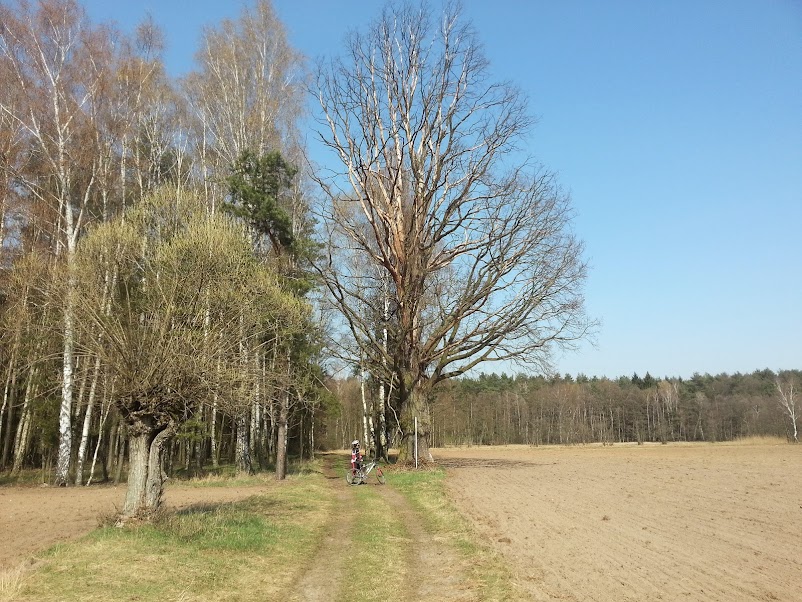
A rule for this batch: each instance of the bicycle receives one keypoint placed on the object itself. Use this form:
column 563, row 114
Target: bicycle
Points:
column 357, row 476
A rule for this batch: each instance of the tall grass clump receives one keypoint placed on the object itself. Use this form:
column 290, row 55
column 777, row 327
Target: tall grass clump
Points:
column 11, row 581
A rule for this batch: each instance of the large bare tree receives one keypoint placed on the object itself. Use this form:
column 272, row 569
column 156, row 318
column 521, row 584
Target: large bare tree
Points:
column 432, row 187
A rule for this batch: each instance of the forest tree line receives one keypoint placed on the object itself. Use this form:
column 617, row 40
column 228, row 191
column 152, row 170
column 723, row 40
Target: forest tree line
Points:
column 492, row 409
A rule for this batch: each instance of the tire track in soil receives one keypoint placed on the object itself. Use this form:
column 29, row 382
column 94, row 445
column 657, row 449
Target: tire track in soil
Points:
column 320, row 582
column 434, row 570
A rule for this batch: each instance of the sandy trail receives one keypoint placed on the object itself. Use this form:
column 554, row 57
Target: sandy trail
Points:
column 432, row 569
column 677, row 522
column 323, row 577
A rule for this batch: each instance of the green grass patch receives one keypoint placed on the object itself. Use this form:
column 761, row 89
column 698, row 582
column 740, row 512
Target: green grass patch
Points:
column 249, row 550
column 378, row 558
column 425, row 490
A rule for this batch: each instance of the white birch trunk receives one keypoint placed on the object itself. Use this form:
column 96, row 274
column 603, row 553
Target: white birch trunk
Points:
column 6, row 389
column 254, row 429
column 213, row 431
column 244, row 464
column 65, row 411
column 23, row 428
column 104, row 414
column 366, row 434
column 90, row 403
column 788, row 402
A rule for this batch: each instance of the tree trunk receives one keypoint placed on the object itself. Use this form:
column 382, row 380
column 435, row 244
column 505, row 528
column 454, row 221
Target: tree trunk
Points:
column 2, row 413
column 244, row 463
column 281, row 437
column 111, row 448
column 367, row 438
column 120, row 452
column 416, row 406
column 156, row 476
column 145, row 473
column 213, row 432
column 253, row 437
column 104, row 414
column 24, row 426
column 82, row 448
column 65, row 417
column 381, row 412
column 12, row 396
column 138, row 456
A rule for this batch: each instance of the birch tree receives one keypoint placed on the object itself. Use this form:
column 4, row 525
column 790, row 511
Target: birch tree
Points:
column 787, row 388
column 477, row 241
column 246, row 93
column 57, row 61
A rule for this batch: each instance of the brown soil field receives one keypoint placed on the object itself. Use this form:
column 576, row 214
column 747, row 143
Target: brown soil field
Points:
column 696, row 522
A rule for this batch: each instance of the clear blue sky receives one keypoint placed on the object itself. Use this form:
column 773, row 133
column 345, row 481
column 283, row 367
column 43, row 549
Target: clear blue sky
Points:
column 677, row 127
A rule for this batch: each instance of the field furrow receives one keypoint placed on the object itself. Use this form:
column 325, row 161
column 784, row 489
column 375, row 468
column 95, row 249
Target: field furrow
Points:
column 675, row 522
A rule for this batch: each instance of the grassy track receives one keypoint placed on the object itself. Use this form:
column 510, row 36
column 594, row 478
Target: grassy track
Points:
column 425, row 490
column 261, row 548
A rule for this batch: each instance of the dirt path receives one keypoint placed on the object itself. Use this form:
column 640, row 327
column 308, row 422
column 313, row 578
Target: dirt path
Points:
column 431, row 568
column 434, row 569
column 322, row 578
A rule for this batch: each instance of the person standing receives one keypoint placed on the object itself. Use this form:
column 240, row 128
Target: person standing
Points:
column 356, row 456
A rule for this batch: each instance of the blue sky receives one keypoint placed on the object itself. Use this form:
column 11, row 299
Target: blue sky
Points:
column 677, row 127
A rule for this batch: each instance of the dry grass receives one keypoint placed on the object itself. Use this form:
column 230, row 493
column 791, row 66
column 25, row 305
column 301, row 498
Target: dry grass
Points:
column 11, row 581
column 758, row 440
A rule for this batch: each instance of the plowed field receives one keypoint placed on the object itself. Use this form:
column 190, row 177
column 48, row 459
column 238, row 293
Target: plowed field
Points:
column 695, row 522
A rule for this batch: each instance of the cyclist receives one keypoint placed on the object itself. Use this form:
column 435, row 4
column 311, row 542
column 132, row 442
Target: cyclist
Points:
column 356, row 456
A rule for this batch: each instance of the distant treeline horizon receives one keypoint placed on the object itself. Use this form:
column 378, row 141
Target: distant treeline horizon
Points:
column 498, row 409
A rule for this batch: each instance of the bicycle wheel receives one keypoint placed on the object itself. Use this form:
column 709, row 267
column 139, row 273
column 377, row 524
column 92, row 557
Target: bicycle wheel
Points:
column 380, row 476
column 352, row 477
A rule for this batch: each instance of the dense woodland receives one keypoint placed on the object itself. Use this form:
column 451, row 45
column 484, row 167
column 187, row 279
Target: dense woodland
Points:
column 175, row 284
column 538, row 410
column 155, row 238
